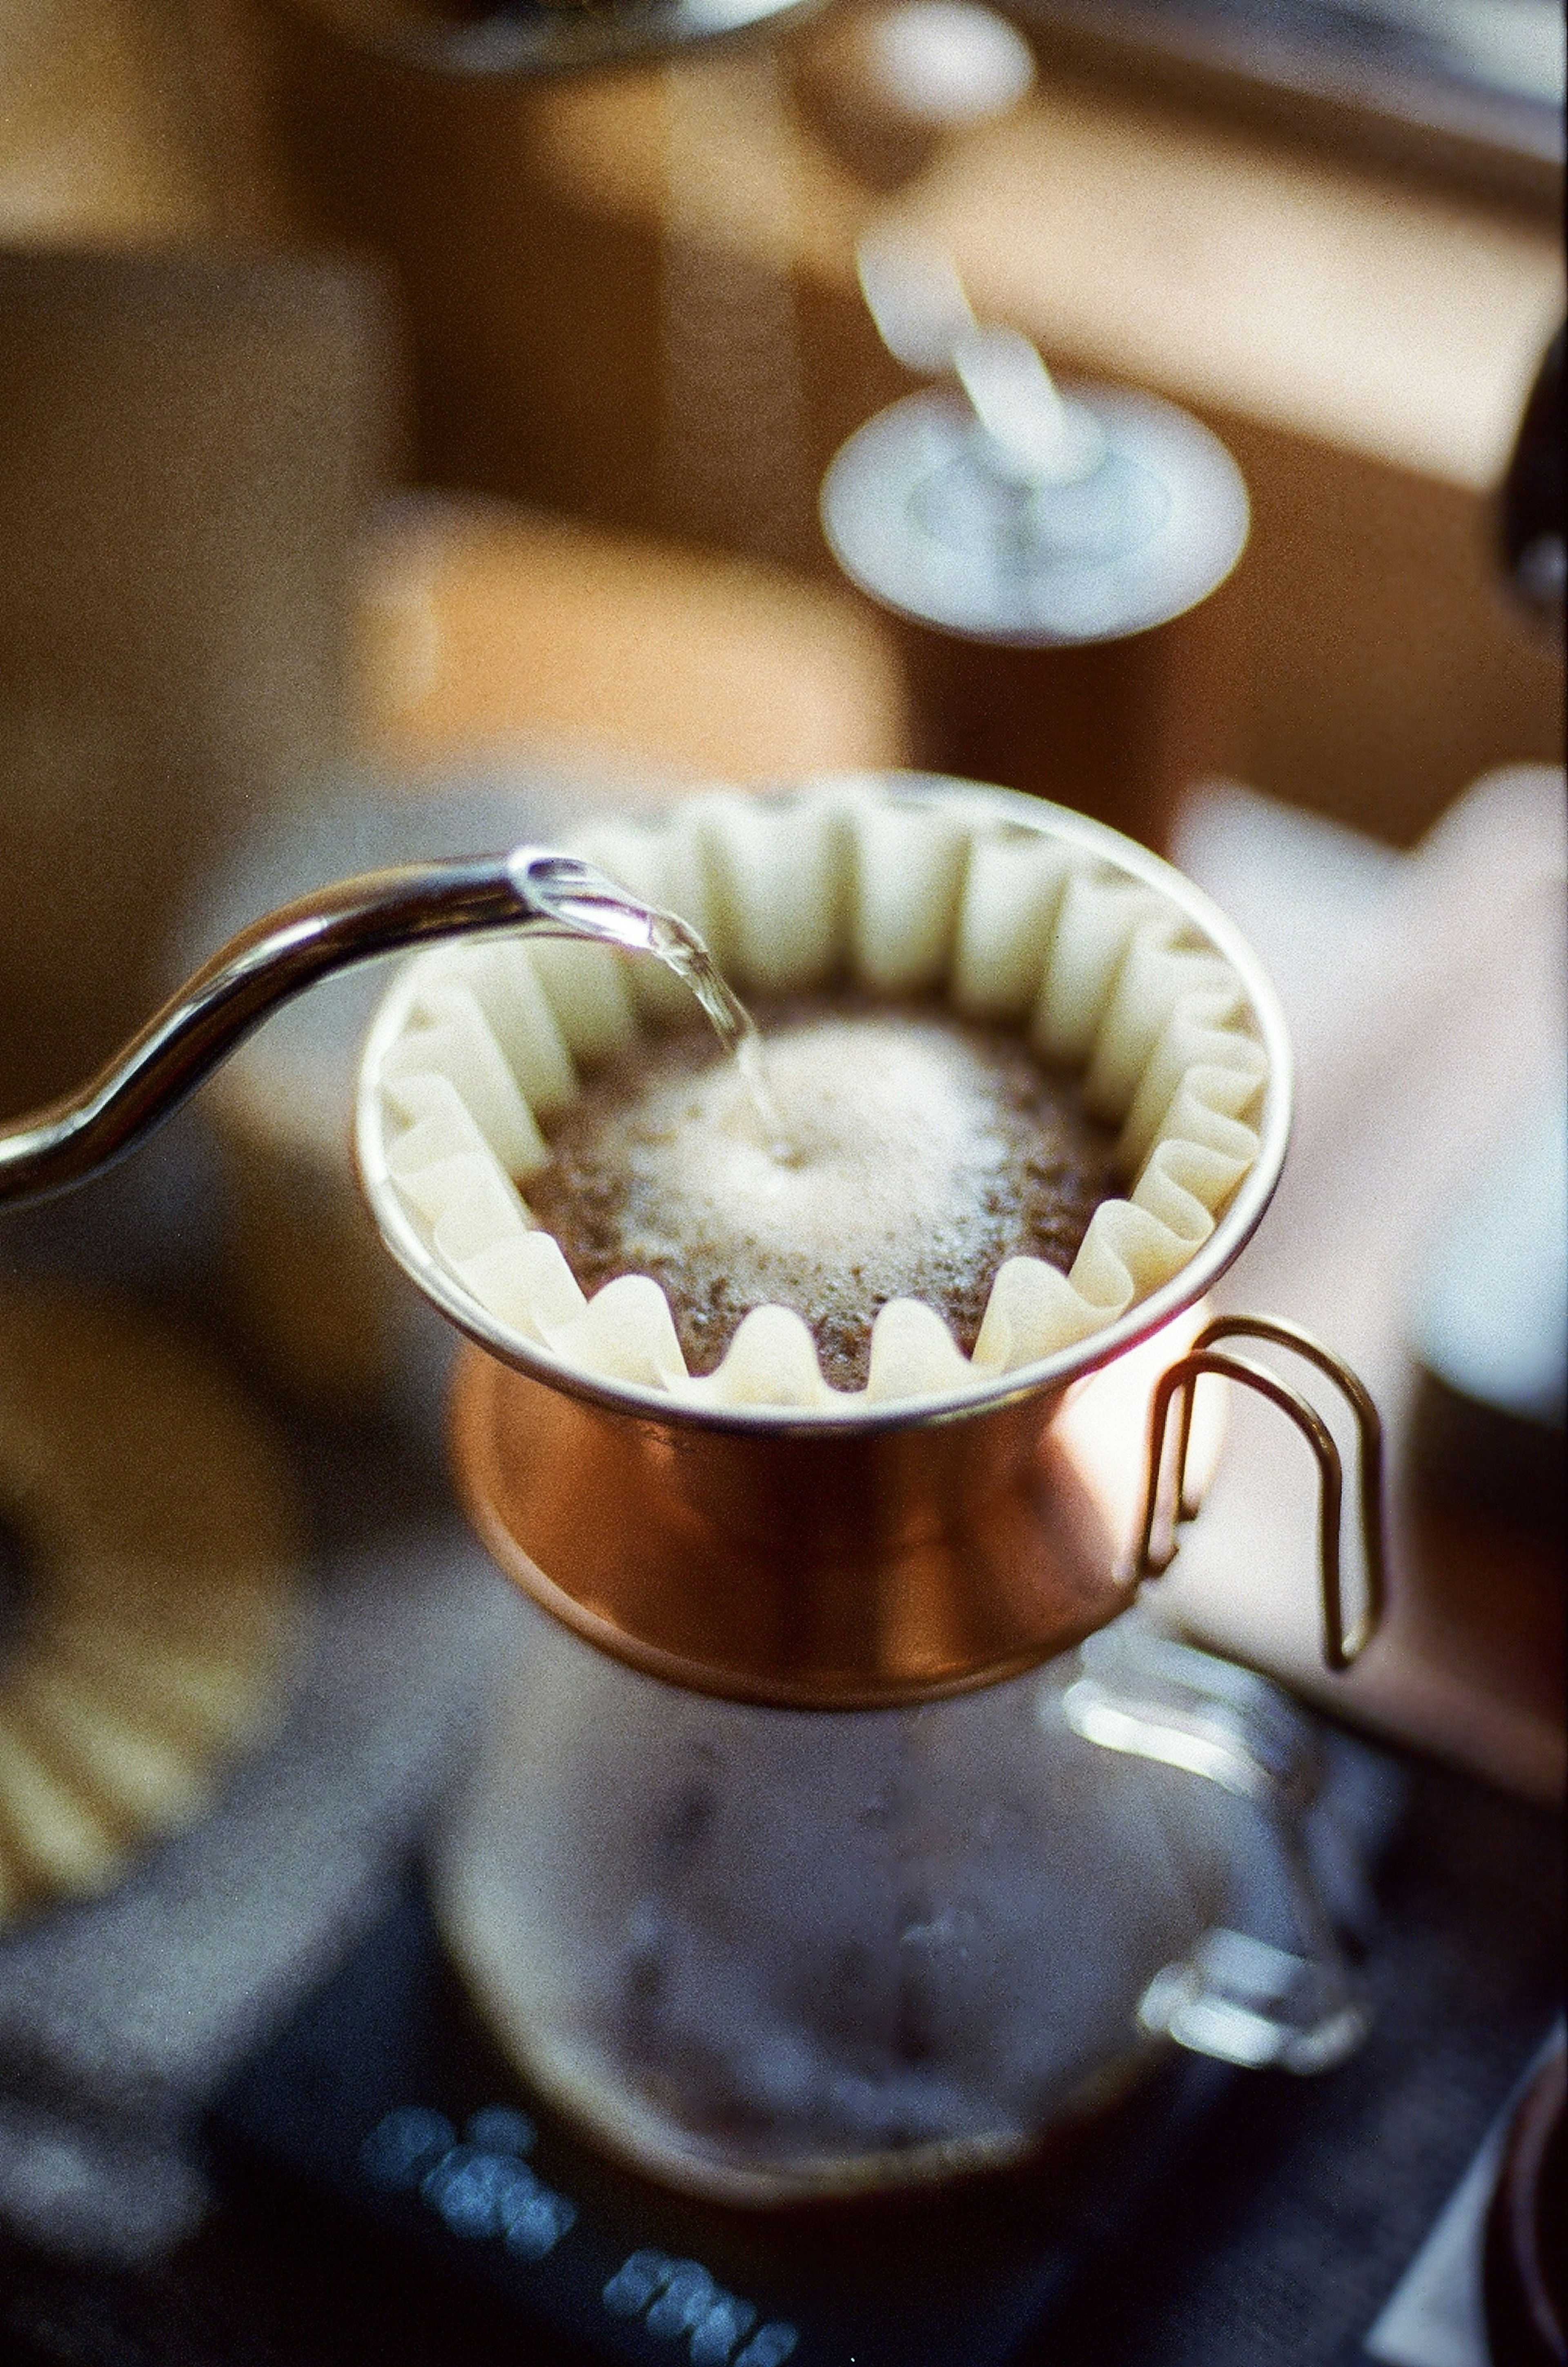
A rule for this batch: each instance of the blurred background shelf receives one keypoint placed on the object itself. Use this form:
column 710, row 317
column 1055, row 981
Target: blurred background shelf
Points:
column 1363, row 338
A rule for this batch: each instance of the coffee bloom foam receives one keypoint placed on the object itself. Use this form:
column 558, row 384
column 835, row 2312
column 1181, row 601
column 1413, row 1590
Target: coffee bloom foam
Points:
column 903, row 894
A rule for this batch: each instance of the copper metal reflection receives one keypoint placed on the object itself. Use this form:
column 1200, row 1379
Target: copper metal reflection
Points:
column 844, row 1569
column 854, row 1569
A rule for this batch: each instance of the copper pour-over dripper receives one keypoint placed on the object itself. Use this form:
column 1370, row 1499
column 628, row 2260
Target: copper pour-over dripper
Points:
column 870, row 1554
column 850, row 1558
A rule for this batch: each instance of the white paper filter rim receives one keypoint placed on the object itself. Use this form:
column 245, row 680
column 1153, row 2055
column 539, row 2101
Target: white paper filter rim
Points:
column 1109, row 959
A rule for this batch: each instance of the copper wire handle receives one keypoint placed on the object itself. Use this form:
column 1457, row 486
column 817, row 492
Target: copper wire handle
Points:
column 1340, row 1647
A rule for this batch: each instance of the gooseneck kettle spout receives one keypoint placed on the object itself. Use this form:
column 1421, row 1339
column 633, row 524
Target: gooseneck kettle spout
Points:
column 532, row 891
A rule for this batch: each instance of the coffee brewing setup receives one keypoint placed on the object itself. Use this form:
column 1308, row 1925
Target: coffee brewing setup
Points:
column 845, row 1827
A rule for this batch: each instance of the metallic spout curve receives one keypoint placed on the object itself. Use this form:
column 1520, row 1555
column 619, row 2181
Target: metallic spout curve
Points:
column 531, row 890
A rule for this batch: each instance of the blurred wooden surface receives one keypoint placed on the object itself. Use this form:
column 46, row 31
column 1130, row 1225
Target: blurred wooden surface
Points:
column 1368, row 313
column 484, row 626
column 131, row 122
column 95, row 134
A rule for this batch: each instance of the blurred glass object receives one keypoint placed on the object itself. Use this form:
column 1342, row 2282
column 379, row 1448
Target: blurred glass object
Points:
column 1526, row 2267
column 1035, row 546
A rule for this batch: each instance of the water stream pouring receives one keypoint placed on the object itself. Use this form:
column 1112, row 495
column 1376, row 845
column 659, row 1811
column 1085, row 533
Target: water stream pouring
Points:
column 837, row 1830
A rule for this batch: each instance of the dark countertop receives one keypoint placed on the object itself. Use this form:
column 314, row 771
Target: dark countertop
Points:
column 1273, row 2241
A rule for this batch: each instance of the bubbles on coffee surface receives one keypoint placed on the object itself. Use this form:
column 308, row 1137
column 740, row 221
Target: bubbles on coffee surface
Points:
column 923, row 1150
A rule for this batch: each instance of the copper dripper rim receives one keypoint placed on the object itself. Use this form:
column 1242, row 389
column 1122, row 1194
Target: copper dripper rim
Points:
column 1053, row 1373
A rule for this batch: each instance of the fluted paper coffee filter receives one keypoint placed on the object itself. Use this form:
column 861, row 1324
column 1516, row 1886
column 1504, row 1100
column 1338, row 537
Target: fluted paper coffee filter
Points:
column 901, row 894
